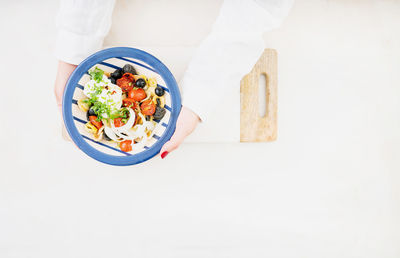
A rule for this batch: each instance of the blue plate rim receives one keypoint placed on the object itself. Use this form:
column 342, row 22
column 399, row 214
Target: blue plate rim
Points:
column 96, row 58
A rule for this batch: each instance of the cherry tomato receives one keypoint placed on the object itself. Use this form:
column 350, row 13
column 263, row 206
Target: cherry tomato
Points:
column 118, row 122
column 129, row 76
column 130, row 103
column 124, row 84
column 138, row 94
column 126, row 145
column 92, row 120
column 148, row 107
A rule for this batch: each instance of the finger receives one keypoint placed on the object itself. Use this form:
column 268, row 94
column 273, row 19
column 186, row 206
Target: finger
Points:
column 186, row 123
column 167, row 148
column 59, row 105
column 171, row 145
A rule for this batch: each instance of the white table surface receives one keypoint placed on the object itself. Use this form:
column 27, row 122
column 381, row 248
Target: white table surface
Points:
column 328, row 187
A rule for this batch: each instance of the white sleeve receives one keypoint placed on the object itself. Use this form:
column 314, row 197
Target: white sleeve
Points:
column 82, row 26
column 229, row 51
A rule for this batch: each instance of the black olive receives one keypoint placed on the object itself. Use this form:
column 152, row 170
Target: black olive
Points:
column 159, row 91
column 90, row 113
column 140, row 83
column 129, row 69
column 113, row 80
column 159, row 114
column 147, row 118
column 158, row 102
column 106, row 137
column 117, row 74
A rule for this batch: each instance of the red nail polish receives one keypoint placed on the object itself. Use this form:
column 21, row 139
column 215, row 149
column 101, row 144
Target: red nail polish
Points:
column 164, row 154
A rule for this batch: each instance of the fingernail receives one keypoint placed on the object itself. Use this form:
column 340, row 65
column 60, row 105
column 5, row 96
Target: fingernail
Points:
column 164, row 154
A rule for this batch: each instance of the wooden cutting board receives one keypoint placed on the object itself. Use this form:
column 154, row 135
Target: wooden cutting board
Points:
column 253, row 127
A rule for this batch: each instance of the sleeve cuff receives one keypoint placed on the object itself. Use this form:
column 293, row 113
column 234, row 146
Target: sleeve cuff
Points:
column 195, row 108
column 74, row 48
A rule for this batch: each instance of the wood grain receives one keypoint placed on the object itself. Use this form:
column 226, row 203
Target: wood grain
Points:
column 253, row 127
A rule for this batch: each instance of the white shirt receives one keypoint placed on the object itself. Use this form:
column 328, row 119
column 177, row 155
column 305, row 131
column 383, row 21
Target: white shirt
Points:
column 225, row 56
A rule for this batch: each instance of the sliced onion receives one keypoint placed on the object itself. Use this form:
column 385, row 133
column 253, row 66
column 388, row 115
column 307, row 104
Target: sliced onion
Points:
column 128, row 125
column 110, row 133
column 124, row 135
column 140, row 131
column 136, row 133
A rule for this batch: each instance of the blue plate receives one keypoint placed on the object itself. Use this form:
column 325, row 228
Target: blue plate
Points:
column 109, row 60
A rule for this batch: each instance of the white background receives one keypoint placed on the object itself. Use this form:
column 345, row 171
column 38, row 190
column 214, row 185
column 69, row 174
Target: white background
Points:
column 328, row 187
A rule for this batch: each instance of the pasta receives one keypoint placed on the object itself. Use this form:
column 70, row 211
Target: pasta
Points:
column 121, row 107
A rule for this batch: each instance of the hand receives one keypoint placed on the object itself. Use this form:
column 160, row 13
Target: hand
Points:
column 64, row 70
column 187, row 122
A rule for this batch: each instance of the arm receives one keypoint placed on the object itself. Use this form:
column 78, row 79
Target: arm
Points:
column 223, row 58
column 230, row 51
column 82, row 26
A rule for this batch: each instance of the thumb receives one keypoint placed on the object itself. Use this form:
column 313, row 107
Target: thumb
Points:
column 186, row 123
column 171, row 145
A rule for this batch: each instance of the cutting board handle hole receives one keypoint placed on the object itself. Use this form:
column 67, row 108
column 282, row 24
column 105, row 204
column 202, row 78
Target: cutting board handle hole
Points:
column 263, row 94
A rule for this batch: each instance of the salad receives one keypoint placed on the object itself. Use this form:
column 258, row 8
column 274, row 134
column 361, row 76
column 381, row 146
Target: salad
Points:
column 122, row 106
